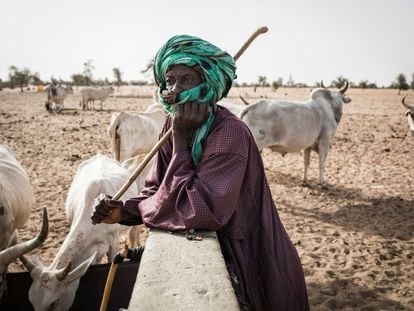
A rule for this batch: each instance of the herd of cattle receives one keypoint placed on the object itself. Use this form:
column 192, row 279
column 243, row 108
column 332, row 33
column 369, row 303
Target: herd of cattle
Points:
column 280, row 125
column 56, row 95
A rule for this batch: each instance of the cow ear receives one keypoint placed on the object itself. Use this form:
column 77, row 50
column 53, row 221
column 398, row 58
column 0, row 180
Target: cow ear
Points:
column 346, row 99
column 80, row 270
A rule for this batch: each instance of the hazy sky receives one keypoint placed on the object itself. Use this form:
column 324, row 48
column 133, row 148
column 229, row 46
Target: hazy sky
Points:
column 309, row 40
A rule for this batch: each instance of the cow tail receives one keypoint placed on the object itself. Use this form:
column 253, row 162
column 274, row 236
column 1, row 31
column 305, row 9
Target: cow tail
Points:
column 115, row 139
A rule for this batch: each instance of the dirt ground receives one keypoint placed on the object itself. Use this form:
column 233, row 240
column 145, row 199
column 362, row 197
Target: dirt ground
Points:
column 355, row 238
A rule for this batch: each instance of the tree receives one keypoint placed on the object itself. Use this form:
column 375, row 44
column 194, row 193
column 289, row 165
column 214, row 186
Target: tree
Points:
column 412, row 82
column 401, row 83
column 21, row 77
column 280, row 81
column 262, row 81
column 86, row 77
column 339, row 82
column 363, row 84
column 118, row 77
column 87, row 71
column 275, row 85
column 290, row 82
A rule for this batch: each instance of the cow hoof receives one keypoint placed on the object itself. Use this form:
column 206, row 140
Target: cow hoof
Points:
column 323, row 186
column 305, row 184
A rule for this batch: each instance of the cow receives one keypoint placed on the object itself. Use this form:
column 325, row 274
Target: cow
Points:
column 409, row 114
column 16, row 200
column 56, row 95
column 16, row 195
column 234, row 108
column 133, row 134
column 90, row 94
column 54, row 287
column 14, row 251
column 287, row 127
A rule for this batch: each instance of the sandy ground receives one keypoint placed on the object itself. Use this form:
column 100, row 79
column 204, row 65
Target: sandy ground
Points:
column 355, row 238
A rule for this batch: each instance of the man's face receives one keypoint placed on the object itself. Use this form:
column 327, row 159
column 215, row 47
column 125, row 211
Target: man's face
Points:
column 181, row 77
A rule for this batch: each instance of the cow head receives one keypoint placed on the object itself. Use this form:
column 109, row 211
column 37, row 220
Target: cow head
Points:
column 409, row 107
column 54, row 289
column 340, row 93
column 14, row 251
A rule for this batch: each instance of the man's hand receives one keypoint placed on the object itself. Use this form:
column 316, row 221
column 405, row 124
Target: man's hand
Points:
column 189, row 116
column 107, row 211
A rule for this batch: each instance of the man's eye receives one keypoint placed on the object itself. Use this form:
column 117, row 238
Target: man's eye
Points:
column 169, row 81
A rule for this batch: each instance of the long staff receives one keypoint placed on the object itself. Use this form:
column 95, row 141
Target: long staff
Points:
column 143, row 164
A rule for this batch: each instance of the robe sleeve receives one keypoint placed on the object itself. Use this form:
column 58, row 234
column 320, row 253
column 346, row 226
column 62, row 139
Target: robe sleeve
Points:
column 190, row 197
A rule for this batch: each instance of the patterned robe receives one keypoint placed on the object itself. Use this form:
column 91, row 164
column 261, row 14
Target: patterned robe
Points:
column 228, row 192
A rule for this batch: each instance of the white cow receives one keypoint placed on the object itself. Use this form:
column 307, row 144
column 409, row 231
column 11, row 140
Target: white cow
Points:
column 234, row 108
column 16, row 200
column 56, row 95
column 16, row 195
column 90, row 94
column 54, row 287
column 14, row 251
column 409, row 114
column 294, row 126
column 133, row 134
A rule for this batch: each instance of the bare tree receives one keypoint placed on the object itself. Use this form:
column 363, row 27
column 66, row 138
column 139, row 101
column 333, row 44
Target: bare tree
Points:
column 87, row 71
column 21, row 77
column 401, row 83
column 339, row 82
column 412, row 82
column 118, row 77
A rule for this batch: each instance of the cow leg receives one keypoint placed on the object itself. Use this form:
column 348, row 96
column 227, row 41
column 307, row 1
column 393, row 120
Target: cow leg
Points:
column 323, row 153
column 113, row 248
column 306, row 158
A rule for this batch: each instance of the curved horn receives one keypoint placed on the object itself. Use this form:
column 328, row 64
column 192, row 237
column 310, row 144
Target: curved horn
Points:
column 344, row 88
column 62, row 273
column 11, row 253
column 27, row 263
column 323, row 85
column 406, row 105
column 244, row 101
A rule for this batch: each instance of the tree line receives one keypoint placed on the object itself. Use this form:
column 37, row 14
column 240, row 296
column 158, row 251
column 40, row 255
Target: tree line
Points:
column 24, row 77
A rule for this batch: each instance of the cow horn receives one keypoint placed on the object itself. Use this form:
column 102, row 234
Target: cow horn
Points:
column 344, row 88
column 62, row 273
column 322, row 85
column 244, row 101
column 406, row 105
column 13, row 252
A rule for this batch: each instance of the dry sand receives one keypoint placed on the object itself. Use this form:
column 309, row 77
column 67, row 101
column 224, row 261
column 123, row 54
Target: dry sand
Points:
column 355, row 238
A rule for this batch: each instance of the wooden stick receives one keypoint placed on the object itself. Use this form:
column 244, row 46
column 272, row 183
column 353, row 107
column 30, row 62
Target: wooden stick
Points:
column 258, row 32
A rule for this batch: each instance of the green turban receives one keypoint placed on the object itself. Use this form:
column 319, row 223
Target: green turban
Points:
column 219, row 71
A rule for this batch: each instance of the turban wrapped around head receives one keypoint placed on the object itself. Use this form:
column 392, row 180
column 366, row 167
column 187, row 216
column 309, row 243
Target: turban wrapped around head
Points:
column 219, row 71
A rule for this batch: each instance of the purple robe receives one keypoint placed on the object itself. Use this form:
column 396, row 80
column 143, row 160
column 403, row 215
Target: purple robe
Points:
column 228, row 192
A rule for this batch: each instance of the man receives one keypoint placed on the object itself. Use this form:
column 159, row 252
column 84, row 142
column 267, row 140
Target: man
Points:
column 210, row 176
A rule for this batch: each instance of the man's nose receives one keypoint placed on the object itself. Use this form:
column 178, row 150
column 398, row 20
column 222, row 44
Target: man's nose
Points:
column 177, row 87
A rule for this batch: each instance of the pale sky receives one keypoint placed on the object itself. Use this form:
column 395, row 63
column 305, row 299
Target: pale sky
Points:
column 309, row 40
